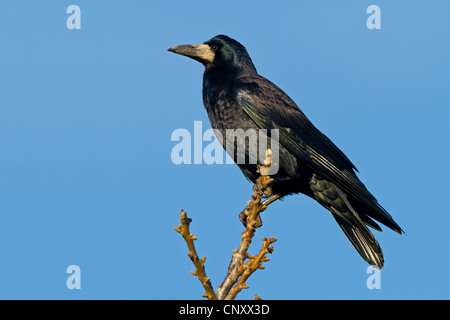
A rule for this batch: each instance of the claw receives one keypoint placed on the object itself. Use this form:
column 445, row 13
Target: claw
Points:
column 243, row 217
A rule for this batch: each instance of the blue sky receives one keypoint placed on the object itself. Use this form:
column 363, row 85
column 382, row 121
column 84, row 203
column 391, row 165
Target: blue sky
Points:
column 86, row 117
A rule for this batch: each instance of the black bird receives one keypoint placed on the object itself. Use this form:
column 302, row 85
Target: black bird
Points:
column 236, row 96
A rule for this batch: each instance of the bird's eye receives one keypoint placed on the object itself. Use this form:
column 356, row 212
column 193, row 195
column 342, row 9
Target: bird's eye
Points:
column 214, row 47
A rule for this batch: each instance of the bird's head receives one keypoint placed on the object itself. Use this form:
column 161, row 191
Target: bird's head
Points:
column 220, row 52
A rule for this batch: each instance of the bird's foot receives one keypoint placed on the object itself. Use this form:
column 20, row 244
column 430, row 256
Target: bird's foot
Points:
column 244, row 214
column 263, row 191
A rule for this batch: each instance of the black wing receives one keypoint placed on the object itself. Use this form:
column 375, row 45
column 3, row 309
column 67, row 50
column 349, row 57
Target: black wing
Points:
column 270, row 108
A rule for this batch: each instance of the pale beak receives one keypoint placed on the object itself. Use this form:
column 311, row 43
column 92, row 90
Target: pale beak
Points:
column 200, row 52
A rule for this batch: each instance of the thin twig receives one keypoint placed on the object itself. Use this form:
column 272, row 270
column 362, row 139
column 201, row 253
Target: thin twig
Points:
column 199, row 272
column 251, row 266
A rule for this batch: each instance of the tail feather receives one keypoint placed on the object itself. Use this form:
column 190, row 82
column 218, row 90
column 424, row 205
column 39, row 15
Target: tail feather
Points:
column 363, row 241
column 353, row 225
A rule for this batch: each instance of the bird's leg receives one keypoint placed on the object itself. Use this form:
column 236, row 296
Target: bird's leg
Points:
column 243, row 215
column 271, row 199
column 262, row 190
column 257, row 188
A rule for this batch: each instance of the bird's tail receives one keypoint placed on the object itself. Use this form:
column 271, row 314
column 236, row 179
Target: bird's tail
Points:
column 354, row 226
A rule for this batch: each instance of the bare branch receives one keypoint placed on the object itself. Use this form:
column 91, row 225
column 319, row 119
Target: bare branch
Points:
column 236, row 268
column 199, row 272
column 251, row 266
